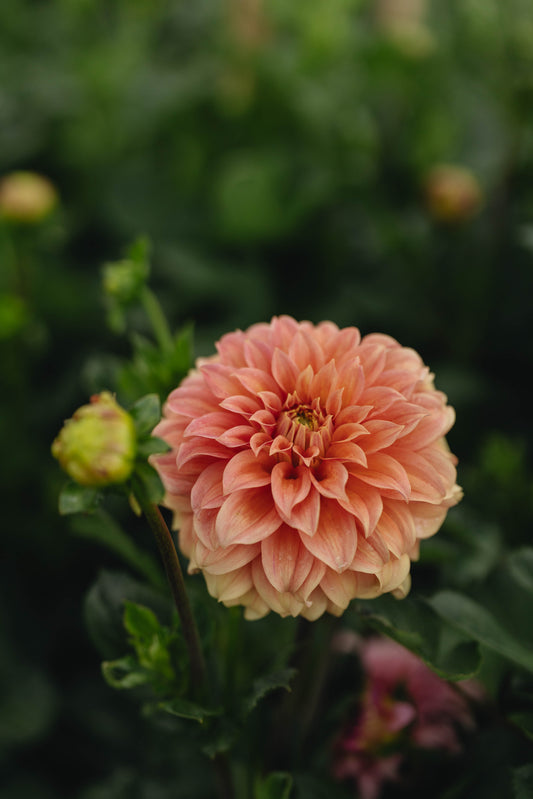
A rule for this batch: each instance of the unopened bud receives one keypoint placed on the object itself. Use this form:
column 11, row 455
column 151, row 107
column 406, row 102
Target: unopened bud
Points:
column 123, row 280
column 26, row 197
column 453, row 193
column 97, row 446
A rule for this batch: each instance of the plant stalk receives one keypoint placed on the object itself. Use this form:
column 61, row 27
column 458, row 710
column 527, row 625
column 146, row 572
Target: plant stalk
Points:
column 174, row 574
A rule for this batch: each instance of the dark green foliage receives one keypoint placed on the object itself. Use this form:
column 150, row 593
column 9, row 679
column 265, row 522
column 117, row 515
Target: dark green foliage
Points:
column 276, row 163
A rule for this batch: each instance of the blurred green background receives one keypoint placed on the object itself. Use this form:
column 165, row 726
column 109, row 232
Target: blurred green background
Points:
column 282, row 158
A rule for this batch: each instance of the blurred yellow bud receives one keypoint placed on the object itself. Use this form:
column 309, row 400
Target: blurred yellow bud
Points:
column 453, row 193
column 26, row 197
column 97, row 446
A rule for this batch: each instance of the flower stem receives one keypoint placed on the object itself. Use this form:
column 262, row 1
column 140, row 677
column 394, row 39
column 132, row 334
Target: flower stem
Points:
column 157, row 319
column 177, row 586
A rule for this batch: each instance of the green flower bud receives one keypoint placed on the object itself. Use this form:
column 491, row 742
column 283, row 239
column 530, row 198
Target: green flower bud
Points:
column 453, row 193
column 26, row 197
column 123, row 280
column 97, row 446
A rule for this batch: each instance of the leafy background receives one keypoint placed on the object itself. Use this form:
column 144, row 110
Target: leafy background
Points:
column 275, row 155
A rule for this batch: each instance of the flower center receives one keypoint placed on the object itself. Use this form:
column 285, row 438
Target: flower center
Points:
column 305, row 416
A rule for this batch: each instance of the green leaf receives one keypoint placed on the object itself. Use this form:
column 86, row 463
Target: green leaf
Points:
column 523, row 720
column 146, row 413
column 104, row 610
column 188, row 710
column 415, row 624
column 152, row 446
column 277, row 785
column 523, row 782
column 520, row 565
column 75, row 498
column 140, row 621
column 475, row 621
column 265, row 685
column 124, row 673
column 147, row 483
column 139, row 250
column 102, row 528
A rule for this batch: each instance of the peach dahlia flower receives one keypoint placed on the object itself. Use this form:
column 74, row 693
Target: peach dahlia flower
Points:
column 306, row 465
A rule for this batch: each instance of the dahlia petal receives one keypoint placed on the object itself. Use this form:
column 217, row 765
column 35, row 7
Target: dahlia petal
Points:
column 186, row 403
column 305, row 351
column 226, row 587
column 284, row 603
column 247, row 516
column 334, row 401
column 254, row 607
column 231, row 348
column 204, row 525
column 244, row 470
column 259, row 441
column 349, row 431
column 212, row 425
column 283, row 330
column 322, row 382
column 373, row 357
column 364, row 502
column 303, row 384
column 304, row 516
column 335, row 540
column 207, row 491
column 220, row 561
column 348, row 452
column 429, row 429
column 312, row 580
column 315, row 606
column 242, row 404
column 284, row 370
column 426, row 483
column 351, row 379
column 265, row 419
column 384, row 472
column 258, row 354
column 394, row 573
column 255, row 380
column 290, row 485
column 339, row 588
column 286, row 562
column 238, row 436
column 396, row 528
column 193, row 448
column 427, row 518
column 330, row 479
column 367, row 559
column 381, row 434
column 270, row 400
column 280, row 445
column 221, row 380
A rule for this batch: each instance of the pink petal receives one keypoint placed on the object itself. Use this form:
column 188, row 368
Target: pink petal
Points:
column 305, row 351
column 238, row 436
column 348, row 452
column 335, row 540
column 381, row 434
column 285, row 560
column 244, row 470
column 304, row 516
column 384, row 472
column 207, row 491
column 247, row 516
column 330, row 479
column 284, row 370
column 364, row 502
column 193, row 448
column 242, row 404
column 220, row 561
column 258, row 354
column 255, row 380
column 221, row 380
column 289, row 486
column 212, row 425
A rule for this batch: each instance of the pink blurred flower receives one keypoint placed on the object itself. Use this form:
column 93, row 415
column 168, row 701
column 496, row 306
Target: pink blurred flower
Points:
column 306, row 465
column 404, row 705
